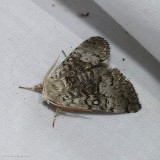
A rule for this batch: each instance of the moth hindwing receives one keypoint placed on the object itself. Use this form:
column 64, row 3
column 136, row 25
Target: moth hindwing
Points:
column 84, row 82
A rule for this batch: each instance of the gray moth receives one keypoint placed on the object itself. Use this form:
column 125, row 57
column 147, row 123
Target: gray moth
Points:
column 84, row 82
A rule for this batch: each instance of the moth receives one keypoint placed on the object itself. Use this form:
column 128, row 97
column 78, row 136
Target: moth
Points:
column 84, row 82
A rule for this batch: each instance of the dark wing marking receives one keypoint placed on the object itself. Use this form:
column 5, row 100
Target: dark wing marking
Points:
column 92, row 51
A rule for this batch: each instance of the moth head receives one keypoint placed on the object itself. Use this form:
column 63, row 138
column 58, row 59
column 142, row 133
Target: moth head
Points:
column 53, row 88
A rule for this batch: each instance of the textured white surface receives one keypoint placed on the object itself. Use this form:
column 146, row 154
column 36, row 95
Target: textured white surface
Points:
column 33, row 33
column 141, row 18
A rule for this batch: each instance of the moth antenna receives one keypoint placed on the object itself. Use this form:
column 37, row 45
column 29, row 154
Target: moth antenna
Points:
column 37, row 88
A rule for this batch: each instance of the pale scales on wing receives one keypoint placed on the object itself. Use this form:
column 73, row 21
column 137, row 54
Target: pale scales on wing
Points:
column 84, row 82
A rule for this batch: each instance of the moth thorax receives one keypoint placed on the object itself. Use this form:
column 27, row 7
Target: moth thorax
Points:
column 56, row 86
column 53, row 89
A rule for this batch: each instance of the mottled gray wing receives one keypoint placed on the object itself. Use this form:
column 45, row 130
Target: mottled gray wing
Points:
column 82, row 81
column 117, row 94
column 102, row 89
column 91, row 52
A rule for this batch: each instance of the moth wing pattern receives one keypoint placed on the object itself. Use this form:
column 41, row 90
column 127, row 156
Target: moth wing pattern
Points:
column 84, row 82
column 94, row 50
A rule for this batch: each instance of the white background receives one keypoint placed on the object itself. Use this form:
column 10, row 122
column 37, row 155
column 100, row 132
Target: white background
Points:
column 32, row 35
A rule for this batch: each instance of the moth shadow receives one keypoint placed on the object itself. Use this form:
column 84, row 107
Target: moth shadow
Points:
column 79, row 114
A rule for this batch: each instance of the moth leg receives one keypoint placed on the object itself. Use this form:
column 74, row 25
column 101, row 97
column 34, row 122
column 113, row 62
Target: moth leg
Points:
column 55, row 116
column 37, row 88
column 64, row 53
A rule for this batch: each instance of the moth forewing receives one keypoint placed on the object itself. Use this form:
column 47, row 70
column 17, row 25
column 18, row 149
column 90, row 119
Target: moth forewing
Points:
column 83, row 82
